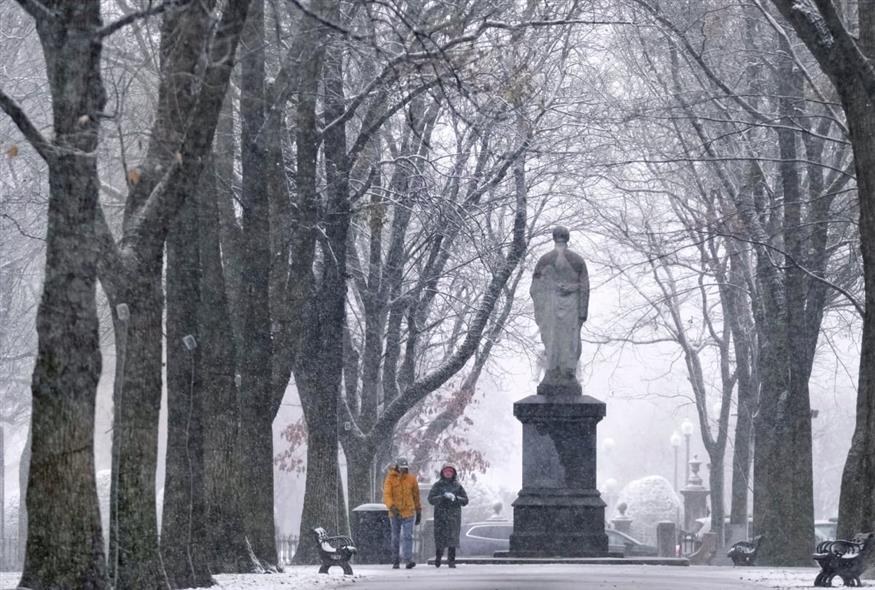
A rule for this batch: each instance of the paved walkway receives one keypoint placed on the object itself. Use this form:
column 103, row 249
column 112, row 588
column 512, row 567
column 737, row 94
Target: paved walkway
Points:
column 564, row 577
column 517, row 577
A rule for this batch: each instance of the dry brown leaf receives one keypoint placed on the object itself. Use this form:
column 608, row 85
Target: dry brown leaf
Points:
column 134, row 175
column 12, row 151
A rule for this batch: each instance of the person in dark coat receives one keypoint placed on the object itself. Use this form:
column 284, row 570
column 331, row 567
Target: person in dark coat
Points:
column 447, row 496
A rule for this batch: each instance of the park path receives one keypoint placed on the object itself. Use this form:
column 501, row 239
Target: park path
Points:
column 516, row 577
column 577, row 577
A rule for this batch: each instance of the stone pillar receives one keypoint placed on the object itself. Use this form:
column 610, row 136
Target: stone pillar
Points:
column 622, row 523
column 666, row 538
column 559, row 512
column 695, row 496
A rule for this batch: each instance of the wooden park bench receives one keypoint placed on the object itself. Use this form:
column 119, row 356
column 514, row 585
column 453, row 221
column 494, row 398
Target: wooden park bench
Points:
column 745, row 552
column 334, row 551
column 845, row 559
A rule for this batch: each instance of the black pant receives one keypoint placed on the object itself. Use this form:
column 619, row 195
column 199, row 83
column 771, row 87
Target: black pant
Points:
column 451, row 554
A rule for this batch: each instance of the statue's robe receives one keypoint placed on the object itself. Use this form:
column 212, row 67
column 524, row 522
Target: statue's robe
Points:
column 560, row 291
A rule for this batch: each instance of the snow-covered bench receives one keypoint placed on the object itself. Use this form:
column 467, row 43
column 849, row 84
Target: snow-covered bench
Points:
column 334, row 551
column 845, row 559
column 745, row 552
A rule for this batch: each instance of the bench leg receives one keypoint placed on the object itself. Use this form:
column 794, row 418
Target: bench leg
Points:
column 820, row 580
column 324, row 568
column 347, row 569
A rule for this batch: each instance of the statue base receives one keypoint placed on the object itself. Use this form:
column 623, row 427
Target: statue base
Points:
column 559, row 512
column 559, row 389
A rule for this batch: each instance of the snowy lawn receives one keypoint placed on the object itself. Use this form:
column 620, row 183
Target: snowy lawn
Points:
column 785, row 578
column 293, row 577
column 299, row 576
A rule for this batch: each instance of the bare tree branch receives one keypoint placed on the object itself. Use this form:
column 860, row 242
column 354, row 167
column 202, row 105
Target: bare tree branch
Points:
column 27, row 128
column 138, row 15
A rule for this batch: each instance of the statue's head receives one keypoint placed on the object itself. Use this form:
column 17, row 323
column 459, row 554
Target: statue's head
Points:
column 561, row 234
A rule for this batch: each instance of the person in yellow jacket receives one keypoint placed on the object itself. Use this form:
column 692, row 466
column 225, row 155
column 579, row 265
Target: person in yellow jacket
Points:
column 401, row 497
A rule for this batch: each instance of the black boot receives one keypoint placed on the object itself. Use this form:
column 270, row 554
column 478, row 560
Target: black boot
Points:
column 437, row 558
column 451, row 557
column 396, row 564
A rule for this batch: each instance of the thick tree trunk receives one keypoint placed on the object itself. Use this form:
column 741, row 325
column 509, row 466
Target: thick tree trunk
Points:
column 790, row 480
column 183, row 531
column 64, row 542
column 256, row 430
column 134, row 551
column 857, row 502
column 225, row 537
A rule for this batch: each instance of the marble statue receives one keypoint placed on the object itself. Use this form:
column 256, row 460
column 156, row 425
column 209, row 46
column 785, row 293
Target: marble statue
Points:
column 560, row 291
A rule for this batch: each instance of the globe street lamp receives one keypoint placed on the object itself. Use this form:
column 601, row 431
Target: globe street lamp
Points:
column 675, row 441
column 687, row 430
column 608, row 444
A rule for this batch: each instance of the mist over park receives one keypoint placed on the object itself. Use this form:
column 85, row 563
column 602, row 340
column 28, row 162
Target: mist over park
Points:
column 572, row 287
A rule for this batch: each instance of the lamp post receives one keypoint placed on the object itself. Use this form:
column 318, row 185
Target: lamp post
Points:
column 675, row 441
column 687, row 430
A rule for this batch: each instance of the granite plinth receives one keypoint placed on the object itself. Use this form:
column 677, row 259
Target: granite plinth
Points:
column 559, row 512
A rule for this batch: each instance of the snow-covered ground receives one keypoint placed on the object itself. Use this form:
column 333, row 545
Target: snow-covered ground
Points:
column 294, row 577
column 786, row 578
column 298, row 577
column 304, row 577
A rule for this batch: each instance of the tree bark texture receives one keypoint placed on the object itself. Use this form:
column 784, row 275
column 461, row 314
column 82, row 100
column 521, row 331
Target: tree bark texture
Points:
column 256, row 419
column 183, row 530
column 857, row 502
column 64, row 542
column 784, row 434
column 226, row 549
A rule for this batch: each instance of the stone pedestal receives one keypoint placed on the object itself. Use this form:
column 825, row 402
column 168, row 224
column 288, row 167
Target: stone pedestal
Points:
column 695, row 497
column 559, row 512
column 666, row 538
column 622, row 522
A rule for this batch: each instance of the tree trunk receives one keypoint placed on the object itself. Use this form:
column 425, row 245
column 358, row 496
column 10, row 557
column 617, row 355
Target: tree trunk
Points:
column 64, row 542
column 256, row 423
column 742, row 332
column 857, row 502
column 134, row 554
column 225, row 539
column 183, row 529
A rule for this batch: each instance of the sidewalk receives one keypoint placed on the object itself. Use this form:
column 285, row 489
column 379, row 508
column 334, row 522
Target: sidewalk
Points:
column 515, row 577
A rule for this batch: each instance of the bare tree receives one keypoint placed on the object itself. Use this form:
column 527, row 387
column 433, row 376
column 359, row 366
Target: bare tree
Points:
column 65, row 546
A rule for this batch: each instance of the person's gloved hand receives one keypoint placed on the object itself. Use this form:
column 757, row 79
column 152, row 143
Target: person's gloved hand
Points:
column 450, row 496
column 418, row 517
column 394, row 512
